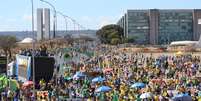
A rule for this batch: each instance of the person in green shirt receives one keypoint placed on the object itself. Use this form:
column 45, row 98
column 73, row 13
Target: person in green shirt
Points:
column 138, row 97
column 102, row 97
column 115, row 96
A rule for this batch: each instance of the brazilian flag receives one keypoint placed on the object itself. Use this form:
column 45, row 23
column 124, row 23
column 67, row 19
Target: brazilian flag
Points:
column 4, row 81
column 67, row 56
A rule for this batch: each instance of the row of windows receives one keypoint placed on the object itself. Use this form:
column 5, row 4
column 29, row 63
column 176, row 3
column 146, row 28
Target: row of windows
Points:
column 175, row 13
column 175, row 20
column 137, row 14
column 181, row 28
column 138, row 31
column 176, row 24
column 175, row 17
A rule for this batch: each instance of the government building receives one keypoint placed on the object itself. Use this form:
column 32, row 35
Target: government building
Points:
column 161, row 26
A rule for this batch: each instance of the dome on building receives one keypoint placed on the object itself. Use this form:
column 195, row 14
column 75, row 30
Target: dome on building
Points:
column 27, row 40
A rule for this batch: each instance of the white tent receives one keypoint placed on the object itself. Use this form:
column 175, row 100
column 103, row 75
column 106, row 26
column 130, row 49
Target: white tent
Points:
column 27, row 40
column 183, row 43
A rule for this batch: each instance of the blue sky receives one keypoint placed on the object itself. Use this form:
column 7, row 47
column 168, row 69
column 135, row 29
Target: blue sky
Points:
column 16, row 14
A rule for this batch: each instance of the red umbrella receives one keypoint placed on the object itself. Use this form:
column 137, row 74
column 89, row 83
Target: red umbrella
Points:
column 156, row 80
column 107, row 70
column 28, row 83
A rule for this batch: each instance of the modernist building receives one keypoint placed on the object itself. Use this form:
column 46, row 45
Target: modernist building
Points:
column 43, row 24
column 39, row 24
column 46, row 23
column 162, row 26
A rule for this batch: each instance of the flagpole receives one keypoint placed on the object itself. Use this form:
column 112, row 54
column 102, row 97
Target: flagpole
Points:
column 33, row 46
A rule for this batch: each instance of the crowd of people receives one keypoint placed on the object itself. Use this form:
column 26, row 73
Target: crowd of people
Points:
column 124, row 76
column 42, row 51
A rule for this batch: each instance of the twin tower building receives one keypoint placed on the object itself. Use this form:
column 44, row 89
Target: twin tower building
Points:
column 43, row 24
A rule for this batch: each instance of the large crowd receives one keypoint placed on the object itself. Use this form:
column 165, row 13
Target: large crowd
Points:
column 122, row 76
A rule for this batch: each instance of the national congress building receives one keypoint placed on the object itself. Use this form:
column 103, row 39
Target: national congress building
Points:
column 162, row 26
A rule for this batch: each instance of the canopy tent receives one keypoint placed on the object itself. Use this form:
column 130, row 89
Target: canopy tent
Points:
column 183, row 43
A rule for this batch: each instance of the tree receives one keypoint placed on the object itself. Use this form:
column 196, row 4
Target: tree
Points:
column 115, row 41
column 110, row 34
column 7, row 42
column 130, row 39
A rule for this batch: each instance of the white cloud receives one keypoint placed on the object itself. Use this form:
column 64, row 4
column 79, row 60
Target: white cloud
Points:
column 27, row 17
column 91, row 22
column 105, row 20
column 11, row 20
column 96, row 22
column 87, row 19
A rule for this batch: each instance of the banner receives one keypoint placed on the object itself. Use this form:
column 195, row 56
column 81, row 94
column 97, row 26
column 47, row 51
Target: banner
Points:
column 23, row 66
column 3, row 82
column 44, row 68
column 3, row 65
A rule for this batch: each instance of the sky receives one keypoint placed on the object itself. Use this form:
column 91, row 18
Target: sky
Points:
column 15, row 15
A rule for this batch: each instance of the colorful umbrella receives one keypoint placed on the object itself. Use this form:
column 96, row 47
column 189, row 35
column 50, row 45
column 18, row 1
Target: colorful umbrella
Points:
column 179, row 53
column 78, row 75
column 67, row 78
column 146, row 95
column 182, row 97
column 28, row 83
column 138, row 85
column 98, row 79
column 103, row 89
column 107, row 70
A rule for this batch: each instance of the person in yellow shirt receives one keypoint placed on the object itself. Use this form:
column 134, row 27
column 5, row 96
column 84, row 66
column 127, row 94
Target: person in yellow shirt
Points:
column 89, row 99
column 131, row 96
column 156, row 98
column 199, row 98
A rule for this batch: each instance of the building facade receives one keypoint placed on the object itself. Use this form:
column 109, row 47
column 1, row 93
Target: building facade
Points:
column 47, row 23
column 39, row 24
column 159, row 26
column 43, row 24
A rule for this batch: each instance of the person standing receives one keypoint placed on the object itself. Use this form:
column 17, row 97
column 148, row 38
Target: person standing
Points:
column 10, row 95
column 115, row 96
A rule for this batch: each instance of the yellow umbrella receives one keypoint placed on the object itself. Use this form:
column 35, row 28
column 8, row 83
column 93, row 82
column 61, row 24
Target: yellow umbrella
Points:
column 179, row 53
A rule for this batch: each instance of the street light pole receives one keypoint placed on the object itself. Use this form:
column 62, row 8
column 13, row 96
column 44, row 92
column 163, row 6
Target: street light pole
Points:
column 74, row 21
column 55, row 17
column 33, row 53
column 66, row 20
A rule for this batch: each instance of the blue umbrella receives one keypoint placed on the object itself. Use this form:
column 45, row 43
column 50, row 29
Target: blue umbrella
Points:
column 138, row 85
column 78, row 75
column 182, row 97
column 103, row 89
column 98, row 79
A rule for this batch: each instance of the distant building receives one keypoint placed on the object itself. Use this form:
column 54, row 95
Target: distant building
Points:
column 43, row 24
column 39, row 24
column 159, row 26
column 47, row 23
